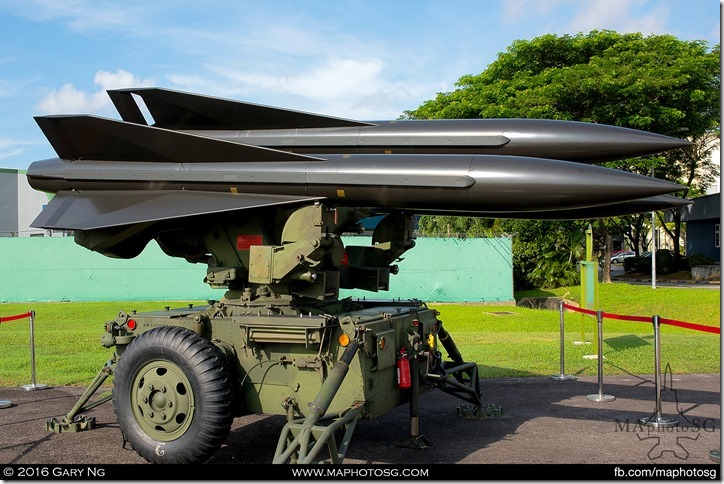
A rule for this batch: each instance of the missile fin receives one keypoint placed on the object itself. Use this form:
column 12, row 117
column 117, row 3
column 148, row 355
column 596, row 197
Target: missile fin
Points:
column 86, row 137
column 87, row 210
column 184, row 111
column 127, row 107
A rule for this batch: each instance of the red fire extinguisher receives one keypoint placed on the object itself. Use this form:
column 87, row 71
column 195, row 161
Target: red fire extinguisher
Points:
column 403, row 370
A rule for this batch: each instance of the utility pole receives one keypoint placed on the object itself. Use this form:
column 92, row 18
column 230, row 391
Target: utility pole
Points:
column 653, row 241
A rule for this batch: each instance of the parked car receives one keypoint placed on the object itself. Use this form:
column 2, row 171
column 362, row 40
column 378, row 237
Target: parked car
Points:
column 621, row 255
column 659, row 254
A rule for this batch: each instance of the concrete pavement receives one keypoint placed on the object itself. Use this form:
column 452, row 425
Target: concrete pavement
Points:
column 544, row 421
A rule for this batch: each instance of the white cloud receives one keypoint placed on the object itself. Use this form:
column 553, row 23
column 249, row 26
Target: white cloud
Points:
column 619, row 15
column 6, row 142
column 515, row 10
column 573, row 16
column 335, row 79
column 10, row 154
column 84, row 15
column 68, row 99
column 347, row 87
column 10, row 147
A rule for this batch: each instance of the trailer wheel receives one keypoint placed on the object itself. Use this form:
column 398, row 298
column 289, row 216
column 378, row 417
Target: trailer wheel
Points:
column 172, row 396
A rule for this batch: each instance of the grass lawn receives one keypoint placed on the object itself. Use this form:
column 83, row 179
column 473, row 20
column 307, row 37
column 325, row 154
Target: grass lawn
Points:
column 505, row 341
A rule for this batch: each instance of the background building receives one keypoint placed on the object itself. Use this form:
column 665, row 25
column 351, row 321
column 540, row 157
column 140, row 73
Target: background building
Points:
column 19, row 205
column 703, row 220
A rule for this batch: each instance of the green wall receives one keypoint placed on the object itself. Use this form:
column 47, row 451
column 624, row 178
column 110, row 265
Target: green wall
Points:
column 57, row 269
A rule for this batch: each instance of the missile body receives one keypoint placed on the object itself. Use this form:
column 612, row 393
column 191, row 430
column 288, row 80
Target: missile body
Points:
column 300, row 132
column 417, row 183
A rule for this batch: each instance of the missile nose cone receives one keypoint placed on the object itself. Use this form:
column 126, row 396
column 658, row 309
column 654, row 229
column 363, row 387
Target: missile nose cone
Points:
column 585, row 142
column 520, row 183
column 649, row 143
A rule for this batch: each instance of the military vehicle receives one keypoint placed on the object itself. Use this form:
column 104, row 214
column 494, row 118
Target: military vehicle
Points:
column 263, row 196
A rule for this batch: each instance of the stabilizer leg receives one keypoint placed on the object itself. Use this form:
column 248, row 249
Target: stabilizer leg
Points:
column 461, row 380
column 73, row 422
column 416, row 440
column 301, row 440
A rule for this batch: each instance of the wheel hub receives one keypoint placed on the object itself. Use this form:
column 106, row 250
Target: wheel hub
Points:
column 162, row 400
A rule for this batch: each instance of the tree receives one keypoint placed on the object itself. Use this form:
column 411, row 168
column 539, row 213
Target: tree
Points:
column 454, row 226
column 653, row 83
column 545, row 253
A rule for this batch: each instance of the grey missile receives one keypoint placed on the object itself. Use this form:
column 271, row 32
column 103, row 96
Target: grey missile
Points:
column 631, row 207
column 302, row 132
column 465, row 183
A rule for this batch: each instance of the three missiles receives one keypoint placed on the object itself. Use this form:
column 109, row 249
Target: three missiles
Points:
column 207, row 155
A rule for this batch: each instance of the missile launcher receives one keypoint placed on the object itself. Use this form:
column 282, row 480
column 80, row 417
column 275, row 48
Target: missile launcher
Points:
column 263, row 197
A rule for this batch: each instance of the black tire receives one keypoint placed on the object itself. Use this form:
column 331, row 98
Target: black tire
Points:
column 172, row 396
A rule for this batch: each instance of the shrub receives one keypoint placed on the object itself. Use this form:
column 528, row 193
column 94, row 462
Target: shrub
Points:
column 700, row 259
column 665, row 263
column 630, row 264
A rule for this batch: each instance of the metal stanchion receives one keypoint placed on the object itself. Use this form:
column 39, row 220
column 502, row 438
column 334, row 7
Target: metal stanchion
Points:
column 5, row 403
column 562, row 376
column 715, row 455
column 33, row 385
column 657, row 420
column 600, row 397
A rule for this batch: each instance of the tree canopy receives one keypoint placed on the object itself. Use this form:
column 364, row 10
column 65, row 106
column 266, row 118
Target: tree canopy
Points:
column 655, row 83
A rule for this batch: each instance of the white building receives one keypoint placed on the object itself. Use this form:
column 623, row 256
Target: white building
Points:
column 716, row 187
column 19, row 205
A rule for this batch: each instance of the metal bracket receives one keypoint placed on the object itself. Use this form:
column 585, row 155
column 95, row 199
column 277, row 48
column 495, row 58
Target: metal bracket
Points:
column 73, row 422
column 301, row 444
column 418, row 442
column 480, row 413
column 79, row 424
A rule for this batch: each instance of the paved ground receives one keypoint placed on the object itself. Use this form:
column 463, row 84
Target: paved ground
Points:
column 544, row 421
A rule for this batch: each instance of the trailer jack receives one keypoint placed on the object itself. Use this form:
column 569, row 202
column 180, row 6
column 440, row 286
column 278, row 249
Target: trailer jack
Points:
column 73, row 421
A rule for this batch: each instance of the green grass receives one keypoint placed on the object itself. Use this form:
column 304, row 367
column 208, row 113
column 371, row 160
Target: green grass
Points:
column 67, row 340
column 519, row 342
column 527, row 342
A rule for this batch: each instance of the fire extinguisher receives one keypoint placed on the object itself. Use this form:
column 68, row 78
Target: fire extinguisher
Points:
column 403, row 370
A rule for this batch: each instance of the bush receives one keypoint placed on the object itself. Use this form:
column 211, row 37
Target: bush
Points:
column 630, row 264
column 665, row 263
column 700, row 259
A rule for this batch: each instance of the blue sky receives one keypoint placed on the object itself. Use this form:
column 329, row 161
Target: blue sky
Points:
column 361, row 59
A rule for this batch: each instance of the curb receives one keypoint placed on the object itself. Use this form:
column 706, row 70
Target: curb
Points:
column 673, row 281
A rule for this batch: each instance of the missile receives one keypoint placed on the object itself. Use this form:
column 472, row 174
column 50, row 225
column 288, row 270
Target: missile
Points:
column 301, row 132
column 631, row 207
column 478, row 183
column 113, row 173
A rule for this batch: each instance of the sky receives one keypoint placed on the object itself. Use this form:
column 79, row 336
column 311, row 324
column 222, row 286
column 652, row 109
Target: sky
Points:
column 358, row 59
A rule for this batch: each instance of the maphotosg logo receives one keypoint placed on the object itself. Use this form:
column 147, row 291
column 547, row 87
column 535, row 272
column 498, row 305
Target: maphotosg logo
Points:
column 664, row 435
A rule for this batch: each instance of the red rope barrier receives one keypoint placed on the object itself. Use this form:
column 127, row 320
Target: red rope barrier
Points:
column 13, row 318
column 641, row 319
column 580, row 310
column 697, row 327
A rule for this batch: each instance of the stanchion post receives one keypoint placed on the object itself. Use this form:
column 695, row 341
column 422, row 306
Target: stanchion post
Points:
column 562, row 376
column 5, row 403
column 600, row 397
column 33, row 385
column 657, row 419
